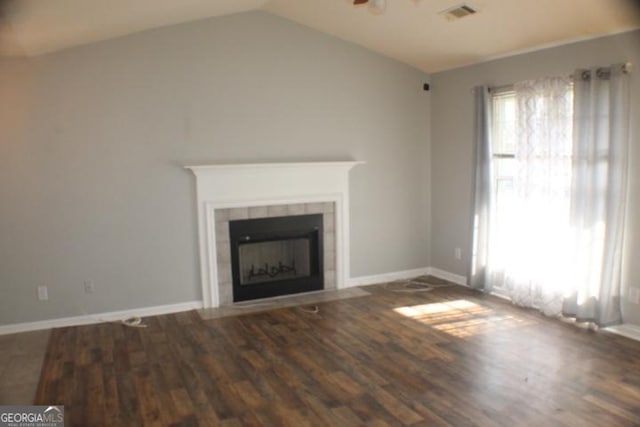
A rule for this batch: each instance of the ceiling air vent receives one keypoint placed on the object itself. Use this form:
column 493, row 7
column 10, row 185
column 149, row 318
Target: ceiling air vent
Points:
column 458, row 12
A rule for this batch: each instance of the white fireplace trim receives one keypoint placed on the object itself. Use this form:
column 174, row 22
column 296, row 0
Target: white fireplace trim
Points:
column 263, row 184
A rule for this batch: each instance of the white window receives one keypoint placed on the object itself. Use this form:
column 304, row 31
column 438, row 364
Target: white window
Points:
column 531, row 149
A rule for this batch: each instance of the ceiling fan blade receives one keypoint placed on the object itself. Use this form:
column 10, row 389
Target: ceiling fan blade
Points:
column 357, row 2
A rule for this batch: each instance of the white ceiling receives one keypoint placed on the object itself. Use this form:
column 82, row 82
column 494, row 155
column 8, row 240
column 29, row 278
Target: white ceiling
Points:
column 411, row 31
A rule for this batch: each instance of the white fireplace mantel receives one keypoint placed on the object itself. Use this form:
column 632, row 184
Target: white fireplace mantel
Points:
column 263, row 184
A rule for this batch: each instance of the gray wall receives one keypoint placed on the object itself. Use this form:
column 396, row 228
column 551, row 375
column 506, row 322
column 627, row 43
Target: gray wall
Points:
column 94, row 139
column 451, row 137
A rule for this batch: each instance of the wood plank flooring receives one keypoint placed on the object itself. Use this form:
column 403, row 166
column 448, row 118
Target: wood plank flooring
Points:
column 450, row 357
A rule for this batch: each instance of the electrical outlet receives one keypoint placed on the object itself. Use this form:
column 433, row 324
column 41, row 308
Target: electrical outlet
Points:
column 43, row 293
column 89, row 287
column 457, row 253
column 634, row 295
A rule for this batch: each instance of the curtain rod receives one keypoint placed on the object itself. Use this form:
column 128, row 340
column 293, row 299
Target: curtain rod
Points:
column 604, row 72
column 600, row 71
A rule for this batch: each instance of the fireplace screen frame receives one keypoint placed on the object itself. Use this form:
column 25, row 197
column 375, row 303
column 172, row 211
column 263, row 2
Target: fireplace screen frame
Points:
column 259, row 230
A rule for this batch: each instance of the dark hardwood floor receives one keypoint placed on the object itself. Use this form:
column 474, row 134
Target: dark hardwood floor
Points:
column 447, row 357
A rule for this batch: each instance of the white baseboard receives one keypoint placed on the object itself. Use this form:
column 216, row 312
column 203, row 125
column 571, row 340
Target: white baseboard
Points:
column 451, row 277
column 196, row 305
column 387, row 277
column 407, row 274
column 99, row 317
column 626, row 330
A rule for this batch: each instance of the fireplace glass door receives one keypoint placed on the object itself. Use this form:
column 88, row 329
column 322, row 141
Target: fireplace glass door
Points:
column 276, row 256
column 275, row 260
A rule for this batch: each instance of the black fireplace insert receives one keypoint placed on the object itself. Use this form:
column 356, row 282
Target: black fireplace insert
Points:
column 276, row 256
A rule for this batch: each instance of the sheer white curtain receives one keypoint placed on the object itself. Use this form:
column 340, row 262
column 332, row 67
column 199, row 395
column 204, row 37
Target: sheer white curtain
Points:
column 560, row 247
column 528, row 262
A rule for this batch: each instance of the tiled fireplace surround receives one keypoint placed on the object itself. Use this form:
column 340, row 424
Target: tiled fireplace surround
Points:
column 242, row 191
column 223, row 256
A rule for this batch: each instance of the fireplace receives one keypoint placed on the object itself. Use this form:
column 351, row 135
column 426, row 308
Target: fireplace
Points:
column 276, row 256
column 228, row 192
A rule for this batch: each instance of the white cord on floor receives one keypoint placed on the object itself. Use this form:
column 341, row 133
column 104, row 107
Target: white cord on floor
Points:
column 414, row 286
column 131, row 322
column 313, row 310
column 242, row 306
column 410, row 288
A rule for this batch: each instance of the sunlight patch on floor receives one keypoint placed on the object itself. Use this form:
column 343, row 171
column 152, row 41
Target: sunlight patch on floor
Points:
column 460, row 318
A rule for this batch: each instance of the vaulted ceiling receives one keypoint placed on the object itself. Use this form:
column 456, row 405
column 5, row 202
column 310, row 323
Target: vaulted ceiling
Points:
column 412, row 31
